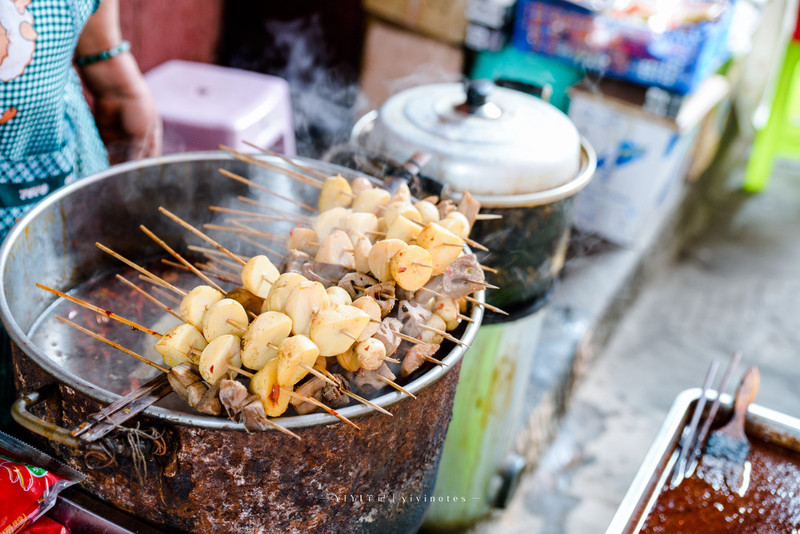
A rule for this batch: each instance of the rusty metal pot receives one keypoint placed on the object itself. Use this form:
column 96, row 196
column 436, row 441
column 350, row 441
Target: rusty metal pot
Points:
column 209, row 474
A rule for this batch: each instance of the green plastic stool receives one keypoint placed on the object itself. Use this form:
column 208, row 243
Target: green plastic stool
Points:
column 781, row 136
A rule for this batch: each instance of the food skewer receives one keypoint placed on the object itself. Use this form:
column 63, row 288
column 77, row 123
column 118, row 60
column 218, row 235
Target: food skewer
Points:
column 303, row 398
column 300, row 177
column 113, row 344
column 148, row 296
column 159, row 284
column 488, row 269
column 107, row 313
column 306, row 220
column 245, row 231
column 213, row 252
column 487, row 306
column 396, row 386
column 488, row 216
column 158, row 290
column 200, row 234
column 223, row 276
column 290, row 161
column 142, row 270
column 178, row 257
column 332, row 381
column 258, row 216
column 254, row 185
column 443, row 334
column 260, row 246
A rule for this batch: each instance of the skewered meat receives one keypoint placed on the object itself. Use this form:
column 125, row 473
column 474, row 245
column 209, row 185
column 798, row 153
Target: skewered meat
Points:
column 469, row 207
column 326, row 274
column 367, row 382
column 349, row 282
column 253, row 414
column 209, row 403
column 383, row 294
column 445, row 207
column 387, row 334
column 232, row 395
column 294, row 260
column 312, row 388
column 332, row 395
column 180, row 378
column 416, row 357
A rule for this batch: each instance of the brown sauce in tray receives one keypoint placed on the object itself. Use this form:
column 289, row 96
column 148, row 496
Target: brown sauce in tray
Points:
column 769, row 504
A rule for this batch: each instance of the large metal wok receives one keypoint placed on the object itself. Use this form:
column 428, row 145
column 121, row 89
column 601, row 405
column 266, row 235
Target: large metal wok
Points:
column 211, row 475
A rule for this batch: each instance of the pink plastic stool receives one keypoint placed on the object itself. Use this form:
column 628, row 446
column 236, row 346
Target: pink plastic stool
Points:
column 204, row 106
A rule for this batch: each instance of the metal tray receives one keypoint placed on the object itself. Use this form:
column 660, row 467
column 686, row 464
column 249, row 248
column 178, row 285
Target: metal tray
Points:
column 770, row 425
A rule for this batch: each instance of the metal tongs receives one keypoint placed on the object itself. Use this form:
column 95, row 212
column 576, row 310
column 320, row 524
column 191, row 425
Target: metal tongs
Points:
column 692, row 440
column 112, row 416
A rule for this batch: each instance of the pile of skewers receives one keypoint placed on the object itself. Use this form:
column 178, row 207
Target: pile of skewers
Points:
column 369, row 287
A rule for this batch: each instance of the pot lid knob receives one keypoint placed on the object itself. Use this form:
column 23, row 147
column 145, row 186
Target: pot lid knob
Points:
column 477, row 102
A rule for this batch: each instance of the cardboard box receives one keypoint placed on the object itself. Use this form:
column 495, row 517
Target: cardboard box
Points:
column 640, row 157
column 445, row 20
column 624, row 44
column 397, row 59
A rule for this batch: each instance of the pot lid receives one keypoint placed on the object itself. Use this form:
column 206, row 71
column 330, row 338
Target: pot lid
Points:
column 530, row 145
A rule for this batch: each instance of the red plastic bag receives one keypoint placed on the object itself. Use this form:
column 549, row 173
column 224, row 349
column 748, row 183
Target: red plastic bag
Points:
column 29, row 483
column 45, row 525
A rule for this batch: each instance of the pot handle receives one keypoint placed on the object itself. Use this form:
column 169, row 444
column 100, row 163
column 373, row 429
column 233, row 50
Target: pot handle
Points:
column 21, row 414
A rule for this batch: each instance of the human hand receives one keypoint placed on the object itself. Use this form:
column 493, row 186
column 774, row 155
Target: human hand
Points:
column 124, row 109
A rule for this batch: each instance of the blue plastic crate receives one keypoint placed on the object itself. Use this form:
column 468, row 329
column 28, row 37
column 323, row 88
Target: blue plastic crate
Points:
column 676, row 60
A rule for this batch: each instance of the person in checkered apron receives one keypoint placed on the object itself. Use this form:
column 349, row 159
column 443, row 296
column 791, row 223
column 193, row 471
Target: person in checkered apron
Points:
column 48, row 135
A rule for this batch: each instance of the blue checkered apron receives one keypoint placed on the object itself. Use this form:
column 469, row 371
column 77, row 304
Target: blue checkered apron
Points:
column 47, row 135
column 50, row 139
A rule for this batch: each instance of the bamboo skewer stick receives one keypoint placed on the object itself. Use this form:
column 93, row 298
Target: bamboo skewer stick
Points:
column 271, row 423
column 317, row 403
column 443, row 334
column 200, row 234
column 107, row 313
column 300, row 177
column 257, row 216
column 158, row 290
column 142, row 270
column 148, row 296
column 111, row 343
column 487, row 306
column 213, row 252
column 254, row 185
column 288, row 160
column 409, row 338
column 431, row 359
column 260, row 246
column 158, row 283
column 245, row 231
column 219, row 276
column 332, row 381
column 180, row 258
column 465, row 318
column 487, row 268
column 487, row 216
column 398, row 387
column 306, row 219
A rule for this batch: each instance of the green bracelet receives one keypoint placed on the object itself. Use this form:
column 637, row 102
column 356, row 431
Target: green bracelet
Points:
column 122, row 47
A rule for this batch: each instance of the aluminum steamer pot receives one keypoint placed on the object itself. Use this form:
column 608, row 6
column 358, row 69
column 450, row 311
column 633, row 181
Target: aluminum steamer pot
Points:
column 213, row 475
column 518, row 156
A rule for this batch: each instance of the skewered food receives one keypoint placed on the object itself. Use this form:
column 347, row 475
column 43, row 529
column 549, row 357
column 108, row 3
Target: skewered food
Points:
column 334, row 311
